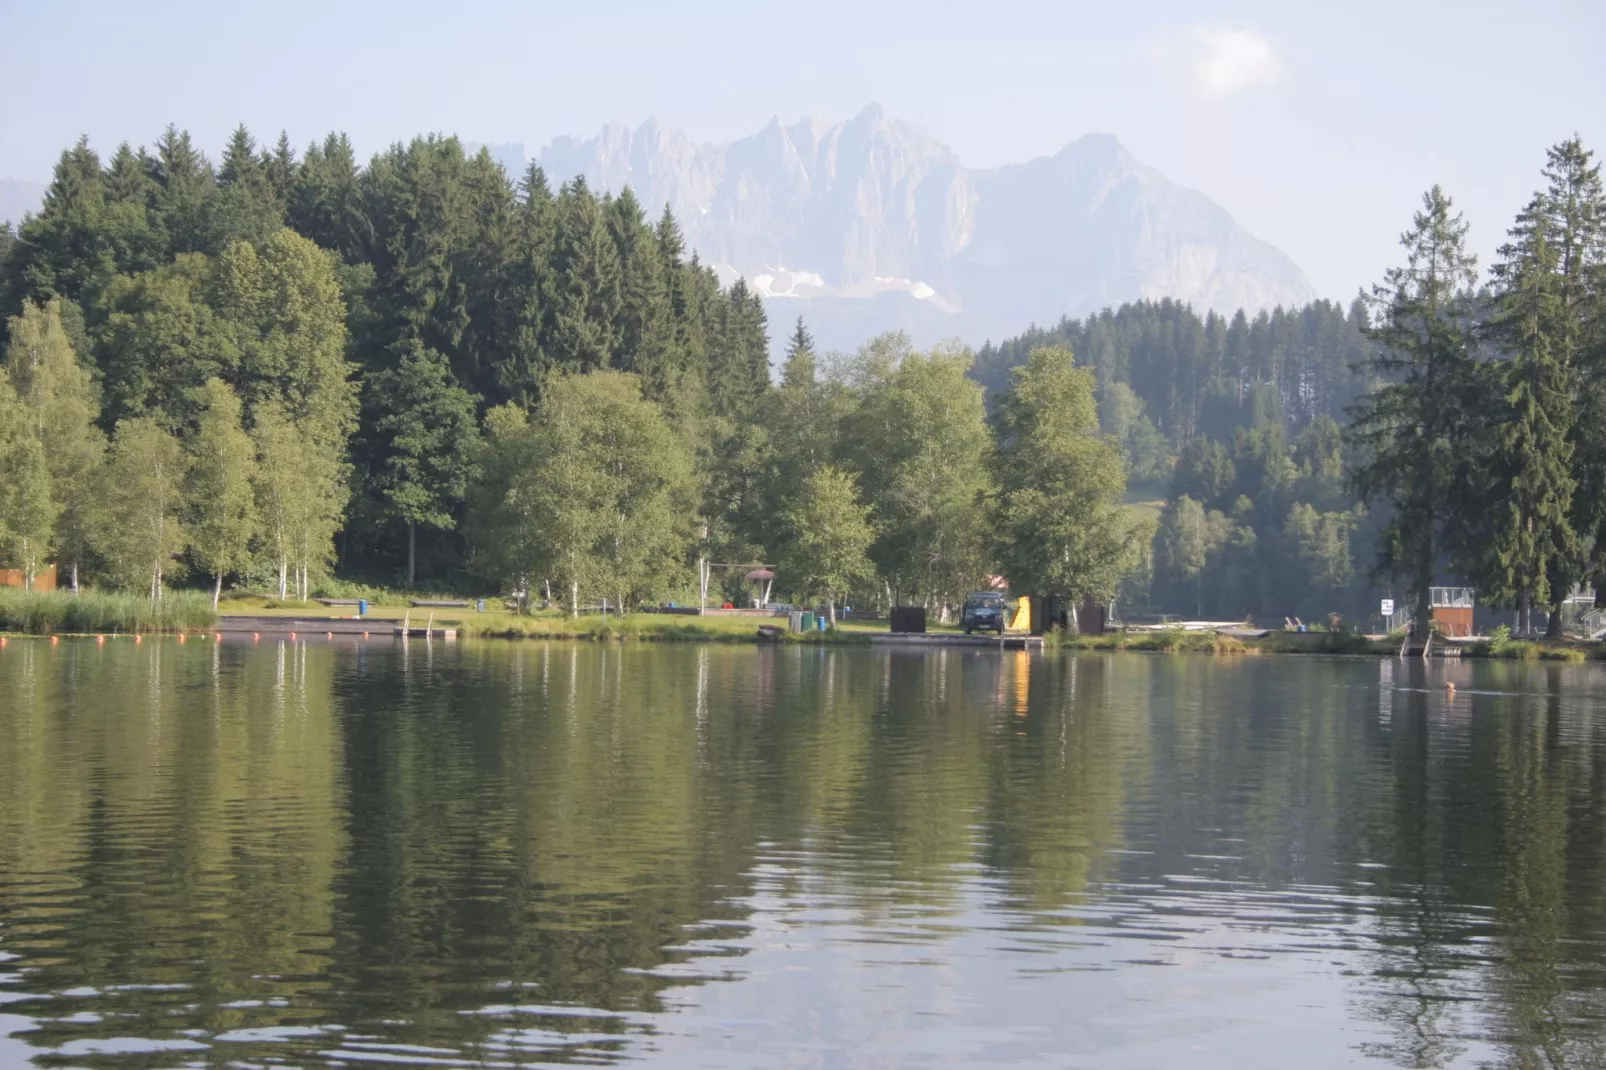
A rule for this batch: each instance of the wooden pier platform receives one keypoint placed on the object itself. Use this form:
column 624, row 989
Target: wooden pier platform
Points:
column 324, row 627
column 950, row 639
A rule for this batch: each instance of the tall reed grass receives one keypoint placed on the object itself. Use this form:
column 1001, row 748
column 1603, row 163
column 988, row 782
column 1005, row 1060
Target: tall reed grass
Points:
column 44, row 612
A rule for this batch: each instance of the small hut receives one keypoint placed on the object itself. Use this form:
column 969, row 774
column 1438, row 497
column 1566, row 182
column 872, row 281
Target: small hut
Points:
column 1452, row 610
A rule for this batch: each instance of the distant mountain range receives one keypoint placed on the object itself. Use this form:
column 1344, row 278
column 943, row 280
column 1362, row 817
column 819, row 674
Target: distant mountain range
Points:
column 872, row 223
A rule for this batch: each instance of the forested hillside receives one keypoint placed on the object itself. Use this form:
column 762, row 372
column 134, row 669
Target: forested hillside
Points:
column 1447, row 428
column 282, row 368
column 447, row 288
column 1234, row 427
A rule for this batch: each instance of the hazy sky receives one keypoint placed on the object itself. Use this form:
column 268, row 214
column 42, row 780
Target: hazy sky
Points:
column 1317, row 125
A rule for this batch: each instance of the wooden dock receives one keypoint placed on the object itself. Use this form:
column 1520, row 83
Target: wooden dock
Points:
column 952, row 639
column 329, row 627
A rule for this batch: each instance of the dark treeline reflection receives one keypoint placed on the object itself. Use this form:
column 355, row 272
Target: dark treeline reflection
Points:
column 294, row 849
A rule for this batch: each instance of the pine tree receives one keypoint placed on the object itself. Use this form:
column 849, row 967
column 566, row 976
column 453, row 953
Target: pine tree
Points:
column 222, row 509
column 424, row 434
column 1412, row 428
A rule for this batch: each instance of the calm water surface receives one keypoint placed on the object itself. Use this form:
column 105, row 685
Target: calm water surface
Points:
column 513, row 855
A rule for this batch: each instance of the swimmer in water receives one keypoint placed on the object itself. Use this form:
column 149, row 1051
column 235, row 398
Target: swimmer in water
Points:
column 1449, row 688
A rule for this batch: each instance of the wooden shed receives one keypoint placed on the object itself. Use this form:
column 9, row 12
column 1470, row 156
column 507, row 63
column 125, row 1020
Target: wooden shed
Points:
column 1452, row 610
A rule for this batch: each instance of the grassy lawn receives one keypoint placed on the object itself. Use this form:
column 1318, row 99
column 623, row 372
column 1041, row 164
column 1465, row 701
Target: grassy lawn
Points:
column 499, row 622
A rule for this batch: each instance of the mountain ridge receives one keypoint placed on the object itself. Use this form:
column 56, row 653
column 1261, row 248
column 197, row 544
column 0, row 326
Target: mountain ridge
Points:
column 876, row 210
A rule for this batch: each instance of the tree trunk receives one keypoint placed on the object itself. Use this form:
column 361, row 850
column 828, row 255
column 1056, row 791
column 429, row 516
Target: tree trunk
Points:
column 412, row 553
column 284, row 577
column 1422, row 626
column 830, row 610
column 1553, row 629
column 217, row 590
column 574, row 598
column 75, row 579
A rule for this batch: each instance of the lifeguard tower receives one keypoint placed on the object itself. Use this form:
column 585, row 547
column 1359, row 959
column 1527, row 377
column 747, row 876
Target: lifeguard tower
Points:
column 1452, row 610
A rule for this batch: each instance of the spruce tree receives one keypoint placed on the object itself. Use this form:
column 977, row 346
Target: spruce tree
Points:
column 584, row 303
column 423, row 434
column 1532, row 541
column 799, row 369
column 1410, row 428
column 646, row 335
column 1574, row 208
column 529, row 279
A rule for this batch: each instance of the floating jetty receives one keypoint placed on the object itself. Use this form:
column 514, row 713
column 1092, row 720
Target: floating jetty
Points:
column 947, row 639
column 328, row 627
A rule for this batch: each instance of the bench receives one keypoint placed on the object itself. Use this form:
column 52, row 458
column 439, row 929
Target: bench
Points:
column 441, row 603
column 338, row 601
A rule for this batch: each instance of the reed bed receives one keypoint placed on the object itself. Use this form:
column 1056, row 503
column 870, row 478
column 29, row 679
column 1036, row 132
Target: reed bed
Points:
column 96, row 612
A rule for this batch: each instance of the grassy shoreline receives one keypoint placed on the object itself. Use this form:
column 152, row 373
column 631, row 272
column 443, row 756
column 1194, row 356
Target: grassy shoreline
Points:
column 98, row 612
column 102, row 612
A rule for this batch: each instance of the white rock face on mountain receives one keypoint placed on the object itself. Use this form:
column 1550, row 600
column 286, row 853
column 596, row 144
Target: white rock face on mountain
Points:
column 872, row 223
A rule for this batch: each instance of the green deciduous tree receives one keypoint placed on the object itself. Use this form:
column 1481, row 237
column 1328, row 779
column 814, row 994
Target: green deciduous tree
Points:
column 1057, row 515
column 139, row 532
column 27, row 510
column 222, row 506
column 829, row 551
column 301, row 490
column 593, row 494
column 921, row 447
column 62, row 406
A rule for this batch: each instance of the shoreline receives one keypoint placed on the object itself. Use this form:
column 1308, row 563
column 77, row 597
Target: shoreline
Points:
column 657, row 628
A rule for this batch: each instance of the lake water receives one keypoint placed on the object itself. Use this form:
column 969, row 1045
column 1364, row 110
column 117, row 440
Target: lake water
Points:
column 717, row 856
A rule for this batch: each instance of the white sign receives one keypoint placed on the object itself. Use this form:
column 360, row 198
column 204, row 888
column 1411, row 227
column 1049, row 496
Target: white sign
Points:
column 1388, row 607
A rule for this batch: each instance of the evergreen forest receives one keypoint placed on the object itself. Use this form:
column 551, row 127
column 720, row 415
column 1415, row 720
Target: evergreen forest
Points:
column 284, row 371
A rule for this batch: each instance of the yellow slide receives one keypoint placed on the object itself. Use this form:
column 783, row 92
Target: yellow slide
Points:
column 1022, row 620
